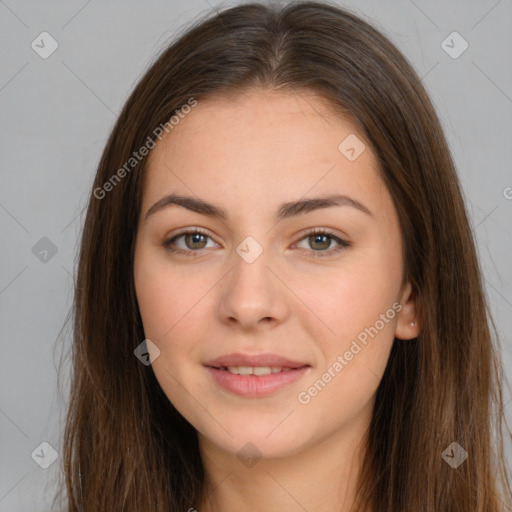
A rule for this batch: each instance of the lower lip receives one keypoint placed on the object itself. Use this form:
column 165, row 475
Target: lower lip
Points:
column 253, row 386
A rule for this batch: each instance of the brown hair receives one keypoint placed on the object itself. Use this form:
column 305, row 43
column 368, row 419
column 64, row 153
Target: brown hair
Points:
column 125, row 447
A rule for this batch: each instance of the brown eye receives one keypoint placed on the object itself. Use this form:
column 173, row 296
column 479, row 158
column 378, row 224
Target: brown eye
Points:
column 195, row 240
column 187, row 242
column 320, row 240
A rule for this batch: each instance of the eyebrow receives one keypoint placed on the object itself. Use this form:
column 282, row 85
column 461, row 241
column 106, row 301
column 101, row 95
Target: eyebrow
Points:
column 286, row 210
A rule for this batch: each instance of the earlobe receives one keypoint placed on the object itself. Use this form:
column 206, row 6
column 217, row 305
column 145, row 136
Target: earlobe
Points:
column 407, row 327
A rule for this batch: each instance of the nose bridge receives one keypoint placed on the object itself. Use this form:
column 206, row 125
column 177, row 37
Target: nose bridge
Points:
column 252, row 292
column 250, row 272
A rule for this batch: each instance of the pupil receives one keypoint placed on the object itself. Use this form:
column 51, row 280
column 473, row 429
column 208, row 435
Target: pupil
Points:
column 196, row 238
column 317, row 238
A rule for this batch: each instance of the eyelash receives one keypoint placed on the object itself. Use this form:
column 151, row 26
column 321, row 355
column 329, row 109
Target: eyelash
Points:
column 314, row 231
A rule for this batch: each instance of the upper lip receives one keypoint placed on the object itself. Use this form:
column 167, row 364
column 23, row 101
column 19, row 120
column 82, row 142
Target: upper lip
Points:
column 274, row 360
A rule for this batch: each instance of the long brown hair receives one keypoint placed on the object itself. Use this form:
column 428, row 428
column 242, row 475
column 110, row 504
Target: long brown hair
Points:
column 125, row 447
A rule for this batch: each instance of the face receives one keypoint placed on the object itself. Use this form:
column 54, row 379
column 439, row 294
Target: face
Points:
column 306, row 297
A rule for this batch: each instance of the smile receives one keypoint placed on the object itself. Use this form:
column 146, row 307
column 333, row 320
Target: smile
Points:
column 254, row 370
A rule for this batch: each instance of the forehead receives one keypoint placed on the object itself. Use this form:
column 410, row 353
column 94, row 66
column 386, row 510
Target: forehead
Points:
column 268, row 118
column 258, row 146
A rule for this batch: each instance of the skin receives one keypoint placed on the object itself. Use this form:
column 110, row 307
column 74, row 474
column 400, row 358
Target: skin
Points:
column 249, row 155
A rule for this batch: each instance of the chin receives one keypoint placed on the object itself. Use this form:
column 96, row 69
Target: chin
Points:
column 257, row 441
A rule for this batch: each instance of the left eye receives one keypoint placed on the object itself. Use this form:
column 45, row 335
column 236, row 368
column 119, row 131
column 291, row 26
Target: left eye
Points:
column 322, row 240
column 319, row 240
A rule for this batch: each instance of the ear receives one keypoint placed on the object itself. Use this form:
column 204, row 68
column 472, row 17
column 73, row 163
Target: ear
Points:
column 407, row 326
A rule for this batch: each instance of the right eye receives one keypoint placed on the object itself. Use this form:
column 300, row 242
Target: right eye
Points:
column 194, row 241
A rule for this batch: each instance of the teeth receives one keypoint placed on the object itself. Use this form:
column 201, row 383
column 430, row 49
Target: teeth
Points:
column 255, row 370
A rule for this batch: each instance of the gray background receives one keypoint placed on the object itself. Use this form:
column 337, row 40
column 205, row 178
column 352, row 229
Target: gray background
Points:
column 57, row 114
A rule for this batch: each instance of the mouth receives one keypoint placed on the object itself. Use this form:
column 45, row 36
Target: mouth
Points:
column 258, row 371
column 255, row 376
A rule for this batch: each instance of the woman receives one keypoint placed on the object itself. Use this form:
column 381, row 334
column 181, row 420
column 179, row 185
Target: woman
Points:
column 278, row 302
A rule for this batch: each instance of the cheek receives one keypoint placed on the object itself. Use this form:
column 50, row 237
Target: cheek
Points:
column 363, row 335
column 353, row 297
column 351, row 362
column 170, row 306
column 168, row 297
column 358, row 306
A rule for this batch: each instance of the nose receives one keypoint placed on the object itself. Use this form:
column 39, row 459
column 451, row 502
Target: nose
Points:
column 253, row 296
